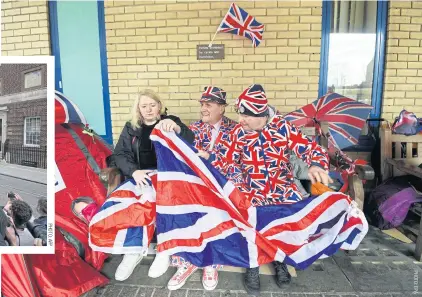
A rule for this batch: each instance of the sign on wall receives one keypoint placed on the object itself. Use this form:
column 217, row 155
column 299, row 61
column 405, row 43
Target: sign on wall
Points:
column 213, row 52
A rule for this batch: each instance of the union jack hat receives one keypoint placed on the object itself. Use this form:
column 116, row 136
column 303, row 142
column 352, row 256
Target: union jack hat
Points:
column 213, row 94
column 252, row 102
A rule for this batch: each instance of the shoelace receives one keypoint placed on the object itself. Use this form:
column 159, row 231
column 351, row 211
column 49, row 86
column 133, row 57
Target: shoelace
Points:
column 180, row 272
column 128, row 260
column 209, row 273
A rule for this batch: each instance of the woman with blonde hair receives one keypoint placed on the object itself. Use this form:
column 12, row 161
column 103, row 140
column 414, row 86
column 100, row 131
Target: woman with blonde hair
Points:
column 135, row 157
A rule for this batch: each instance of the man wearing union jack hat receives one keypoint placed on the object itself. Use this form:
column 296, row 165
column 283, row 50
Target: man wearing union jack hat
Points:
column 261, row 144
column 210, row 132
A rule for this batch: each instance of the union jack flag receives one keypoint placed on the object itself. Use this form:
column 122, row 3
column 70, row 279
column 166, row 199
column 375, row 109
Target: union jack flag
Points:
column 253, row 98
column 115, row 229
column 199, row 214
column 239, row 22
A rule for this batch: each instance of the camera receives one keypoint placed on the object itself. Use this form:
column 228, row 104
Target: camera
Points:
column 11, row 196
column 37, row 231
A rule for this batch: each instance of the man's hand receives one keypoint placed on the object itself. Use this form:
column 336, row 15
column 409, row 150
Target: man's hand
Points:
column 7, row 207
column 168, row 125
column 203, row 154
column 141, row 176
column 38, row 242
column 11, row 236
column 9, row 203
column 317, row 174
column 18, row 197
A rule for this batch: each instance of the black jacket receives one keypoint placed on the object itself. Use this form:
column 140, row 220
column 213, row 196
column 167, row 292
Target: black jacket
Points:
column 131, row 154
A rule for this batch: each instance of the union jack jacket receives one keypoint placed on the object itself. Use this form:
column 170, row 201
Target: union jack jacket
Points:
column 261, row 160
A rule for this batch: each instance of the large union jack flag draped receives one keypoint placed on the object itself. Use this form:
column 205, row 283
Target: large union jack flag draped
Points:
column 239, row 22
column 345, row 116
column 205, row 219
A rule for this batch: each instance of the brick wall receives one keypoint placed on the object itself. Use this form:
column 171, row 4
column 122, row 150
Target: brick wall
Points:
column 12, row 78
column 403, row 72
column 16, row 119
column 24, row 26
column 154, row 45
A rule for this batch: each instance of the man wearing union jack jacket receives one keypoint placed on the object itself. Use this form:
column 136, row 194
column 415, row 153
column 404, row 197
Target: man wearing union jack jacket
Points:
column 260, row 145
column 210, row 131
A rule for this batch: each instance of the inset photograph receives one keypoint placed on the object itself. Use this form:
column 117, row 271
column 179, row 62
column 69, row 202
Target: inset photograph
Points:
column 24, row 138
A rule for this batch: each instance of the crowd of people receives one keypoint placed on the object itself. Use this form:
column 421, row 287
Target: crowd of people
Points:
column 260, row 133
column 18, row 226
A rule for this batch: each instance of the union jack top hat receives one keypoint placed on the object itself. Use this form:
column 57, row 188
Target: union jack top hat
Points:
column 213, row 94
column 253, row 102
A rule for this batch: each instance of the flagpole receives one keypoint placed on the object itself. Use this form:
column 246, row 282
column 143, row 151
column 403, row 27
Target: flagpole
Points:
column 209, row 45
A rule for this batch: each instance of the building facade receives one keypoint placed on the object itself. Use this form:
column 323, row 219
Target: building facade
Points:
column 368, row 50
column 23, row 114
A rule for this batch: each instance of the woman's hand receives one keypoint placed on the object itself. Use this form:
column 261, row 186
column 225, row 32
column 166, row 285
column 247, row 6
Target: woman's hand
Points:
column 203, row 154
column 168, row 125
column 141, row 177
column 317, row 174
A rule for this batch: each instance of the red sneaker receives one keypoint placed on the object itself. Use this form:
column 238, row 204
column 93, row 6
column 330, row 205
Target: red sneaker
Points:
column 209, row 278
column 181, row 276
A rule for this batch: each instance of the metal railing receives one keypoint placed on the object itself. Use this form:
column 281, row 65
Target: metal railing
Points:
column 27, row 156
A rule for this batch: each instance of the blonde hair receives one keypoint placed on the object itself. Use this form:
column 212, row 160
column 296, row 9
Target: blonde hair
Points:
column 137, row 119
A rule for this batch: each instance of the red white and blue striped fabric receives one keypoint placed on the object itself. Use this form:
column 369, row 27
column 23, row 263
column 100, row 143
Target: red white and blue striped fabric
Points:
column 406, row 123
column 66, row 111
column 125, row 222
column 199, row 214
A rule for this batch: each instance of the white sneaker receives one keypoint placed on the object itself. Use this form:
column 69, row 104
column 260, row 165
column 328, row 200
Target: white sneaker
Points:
column 209, row 278
column 127, row 266
column 159, row 266
column 181, row 276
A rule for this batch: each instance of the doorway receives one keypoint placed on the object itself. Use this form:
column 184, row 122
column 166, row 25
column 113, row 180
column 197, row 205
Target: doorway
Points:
column 79, row 49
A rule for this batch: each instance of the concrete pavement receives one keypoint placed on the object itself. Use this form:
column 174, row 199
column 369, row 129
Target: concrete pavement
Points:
column 37, row 175
column 382, row 266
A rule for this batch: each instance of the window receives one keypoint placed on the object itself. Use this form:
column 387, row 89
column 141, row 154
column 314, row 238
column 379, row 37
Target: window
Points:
column 352, row 53
column 32, row 131
column 352, row 49
column 32, row 79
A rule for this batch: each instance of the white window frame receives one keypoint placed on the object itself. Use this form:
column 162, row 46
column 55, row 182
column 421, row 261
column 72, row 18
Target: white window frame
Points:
column 24, row 132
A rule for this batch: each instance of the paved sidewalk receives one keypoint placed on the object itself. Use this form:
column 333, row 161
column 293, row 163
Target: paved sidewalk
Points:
column 382, row 266
column 37, row 175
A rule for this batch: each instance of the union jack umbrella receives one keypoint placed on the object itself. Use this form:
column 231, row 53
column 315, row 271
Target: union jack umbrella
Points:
column 239, row 22
column 66, row 111
column 346, row 118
